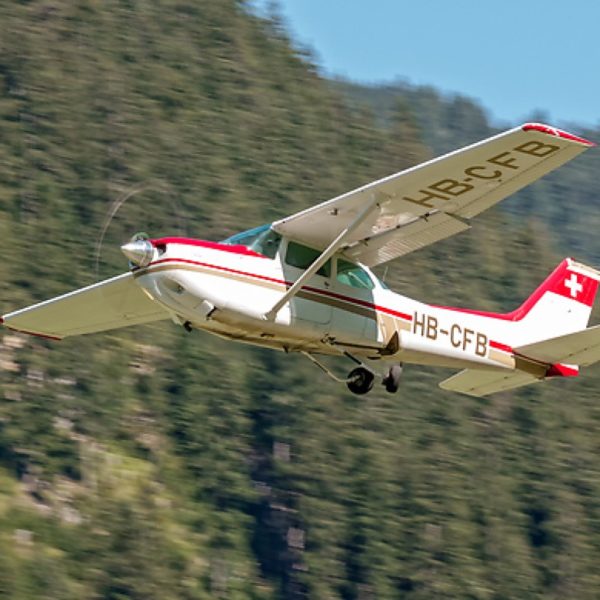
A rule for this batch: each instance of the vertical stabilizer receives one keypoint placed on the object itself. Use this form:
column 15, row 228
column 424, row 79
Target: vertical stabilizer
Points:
column 561, row 304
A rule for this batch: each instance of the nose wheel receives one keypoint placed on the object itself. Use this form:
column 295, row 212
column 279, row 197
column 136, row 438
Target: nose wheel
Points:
column 392, row 380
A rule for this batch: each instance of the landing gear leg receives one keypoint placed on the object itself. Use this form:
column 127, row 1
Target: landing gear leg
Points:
column 188, row 326
column 392, row 379
column 359, row 380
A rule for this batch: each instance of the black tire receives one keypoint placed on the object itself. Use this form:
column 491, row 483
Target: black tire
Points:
column 392, row 380
column 360, row 381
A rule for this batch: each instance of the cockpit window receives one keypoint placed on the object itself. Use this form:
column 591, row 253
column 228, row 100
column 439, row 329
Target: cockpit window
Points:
column 353, row 275
column 267, row 243
column 246, row 238
column 261, row 239
column 302, row 257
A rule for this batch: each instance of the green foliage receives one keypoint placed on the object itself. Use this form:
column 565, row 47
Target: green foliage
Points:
column 155, row 464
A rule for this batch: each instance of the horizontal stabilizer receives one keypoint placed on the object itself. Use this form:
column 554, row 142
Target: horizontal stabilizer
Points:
column 476, row 382
column 109, row 304
column 579, row 348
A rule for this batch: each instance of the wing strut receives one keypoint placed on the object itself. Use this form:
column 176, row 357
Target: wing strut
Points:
column 324, row 257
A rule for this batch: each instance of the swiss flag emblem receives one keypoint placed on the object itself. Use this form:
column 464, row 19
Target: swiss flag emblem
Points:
column 574, row 285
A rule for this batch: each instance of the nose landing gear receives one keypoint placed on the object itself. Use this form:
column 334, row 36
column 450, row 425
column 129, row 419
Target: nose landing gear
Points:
column 392, row 380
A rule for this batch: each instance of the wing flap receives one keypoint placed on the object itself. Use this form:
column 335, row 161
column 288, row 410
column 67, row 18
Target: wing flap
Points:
column 462, row 183
column 580, row 348
column 405, row 239
column 481, row 382
column 109, row 304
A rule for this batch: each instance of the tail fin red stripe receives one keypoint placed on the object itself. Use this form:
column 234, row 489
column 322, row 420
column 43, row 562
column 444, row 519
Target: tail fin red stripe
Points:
column 569, row 279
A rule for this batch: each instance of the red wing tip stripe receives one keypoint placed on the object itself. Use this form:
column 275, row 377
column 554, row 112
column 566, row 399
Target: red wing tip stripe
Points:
column 1, row 320
column 559, row 370
column 540, row 127
column 40, row 335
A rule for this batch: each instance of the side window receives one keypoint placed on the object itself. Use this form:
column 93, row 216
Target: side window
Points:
column 353, row 275
column 302, row 257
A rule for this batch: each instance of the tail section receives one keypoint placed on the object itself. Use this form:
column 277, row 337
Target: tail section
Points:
column 561, row 304
column 549, row 336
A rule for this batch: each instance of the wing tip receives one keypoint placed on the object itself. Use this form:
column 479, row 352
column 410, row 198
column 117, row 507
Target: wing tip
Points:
column 562, row 370
column 35, row 333
column 542, row 128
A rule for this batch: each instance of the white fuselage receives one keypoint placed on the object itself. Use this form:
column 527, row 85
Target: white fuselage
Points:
column 227, row 291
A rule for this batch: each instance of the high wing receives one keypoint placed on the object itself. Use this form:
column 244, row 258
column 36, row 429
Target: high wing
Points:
column 110, row 304
column 432, row 201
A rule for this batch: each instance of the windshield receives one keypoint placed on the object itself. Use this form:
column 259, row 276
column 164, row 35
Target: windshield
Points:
column 245, row 238
column 261, row 239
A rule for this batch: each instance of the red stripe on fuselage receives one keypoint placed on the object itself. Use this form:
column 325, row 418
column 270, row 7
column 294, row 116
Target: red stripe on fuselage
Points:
column 232, row 248
column 349, row 299
column 556, row 370
column 499, row 346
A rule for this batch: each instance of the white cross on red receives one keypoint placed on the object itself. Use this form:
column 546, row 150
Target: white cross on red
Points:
column 574, row 286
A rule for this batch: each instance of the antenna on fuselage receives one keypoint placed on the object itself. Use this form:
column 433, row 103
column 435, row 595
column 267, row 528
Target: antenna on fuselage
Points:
column 385, row 272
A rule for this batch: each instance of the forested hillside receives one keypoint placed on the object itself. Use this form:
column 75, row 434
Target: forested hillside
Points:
column 151, row 463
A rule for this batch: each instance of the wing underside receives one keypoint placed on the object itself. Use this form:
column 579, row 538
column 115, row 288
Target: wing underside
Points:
column 434, row 200
column 110, row 304
column 480, row 382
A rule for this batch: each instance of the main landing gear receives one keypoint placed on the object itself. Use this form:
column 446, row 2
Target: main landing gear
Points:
column 361, row 379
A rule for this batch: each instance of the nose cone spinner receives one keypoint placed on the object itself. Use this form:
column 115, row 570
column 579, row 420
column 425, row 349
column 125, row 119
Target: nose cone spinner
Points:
column 140, row 252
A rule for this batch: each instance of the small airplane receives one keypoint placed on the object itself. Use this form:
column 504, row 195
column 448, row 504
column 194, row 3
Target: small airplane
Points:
column 304, row 284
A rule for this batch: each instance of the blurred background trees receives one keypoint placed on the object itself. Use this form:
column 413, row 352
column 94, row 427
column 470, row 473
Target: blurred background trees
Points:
column 155, row 464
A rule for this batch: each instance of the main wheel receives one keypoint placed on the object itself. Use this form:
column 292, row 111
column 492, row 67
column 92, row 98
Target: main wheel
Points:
column 392, row 380
column 360, row 380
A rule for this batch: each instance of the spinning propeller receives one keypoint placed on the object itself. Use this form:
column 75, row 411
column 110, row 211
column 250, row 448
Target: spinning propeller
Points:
column 151, row 214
